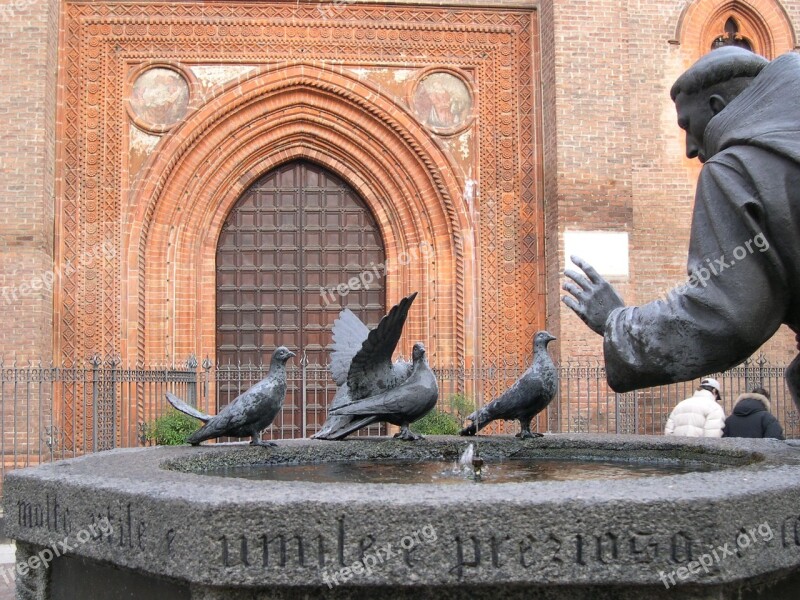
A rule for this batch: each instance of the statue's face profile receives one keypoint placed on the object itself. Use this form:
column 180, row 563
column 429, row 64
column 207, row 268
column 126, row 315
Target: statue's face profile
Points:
column 694, row 113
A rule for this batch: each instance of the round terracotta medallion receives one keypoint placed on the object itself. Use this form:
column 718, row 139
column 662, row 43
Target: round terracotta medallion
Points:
column 159, row 98
column 442, row 101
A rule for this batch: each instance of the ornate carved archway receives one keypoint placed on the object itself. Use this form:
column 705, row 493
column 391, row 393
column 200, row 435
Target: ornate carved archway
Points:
column 334, row 91
column 286, row 112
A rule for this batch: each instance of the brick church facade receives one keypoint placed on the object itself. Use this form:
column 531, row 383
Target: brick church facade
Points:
column 215, row 178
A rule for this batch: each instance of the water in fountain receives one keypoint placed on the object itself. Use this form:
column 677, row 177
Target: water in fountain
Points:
column 465, row 467
column 407, row 471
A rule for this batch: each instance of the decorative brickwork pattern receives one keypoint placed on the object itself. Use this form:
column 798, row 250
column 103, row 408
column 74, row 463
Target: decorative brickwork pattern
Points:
column 154, row 296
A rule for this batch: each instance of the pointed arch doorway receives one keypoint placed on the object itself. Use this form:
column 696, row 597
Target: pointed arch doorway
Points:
column 293, row 236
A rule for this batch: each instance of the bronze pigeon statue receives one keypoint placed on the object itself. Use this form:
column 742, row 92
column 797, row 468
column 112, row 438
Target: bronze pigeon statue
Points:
column 401, row 405
column 250, row 413
column 529, row 395
column 361, row 365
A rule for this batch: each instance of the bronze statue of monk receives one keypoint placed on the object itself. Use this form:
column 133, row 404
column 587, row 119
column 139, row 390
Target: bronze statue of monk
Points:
column 741, row 115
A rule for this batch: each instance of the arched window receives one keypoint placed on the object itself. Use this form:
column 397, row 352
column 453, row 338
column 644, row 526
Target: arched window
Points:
column 761, row 26
column 731, row 37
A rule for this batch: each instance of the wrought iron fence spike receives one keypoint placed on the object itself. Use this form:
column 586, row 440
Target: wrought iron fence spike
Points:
column 582, row 389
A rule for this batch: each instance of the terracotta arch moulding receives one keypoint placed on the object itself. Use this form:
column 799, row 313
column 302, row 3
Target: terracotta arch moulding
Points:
column 97, row 307
column 285, row 112
column 764, row 22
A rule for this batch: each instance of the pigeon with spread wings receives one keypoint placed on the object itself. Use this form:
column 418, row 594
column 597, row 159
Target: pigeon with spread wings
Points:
column 361, row 365
column 403, row 404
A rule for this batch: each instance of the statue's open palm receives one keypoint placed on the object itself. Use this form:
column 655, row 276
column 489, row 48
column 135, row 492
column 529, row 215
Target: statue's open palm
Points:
column 593, row 298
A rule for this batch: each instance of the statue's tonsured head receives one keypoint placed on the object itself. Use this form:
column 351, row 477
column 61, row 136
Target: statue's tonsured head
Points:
column 707, row 87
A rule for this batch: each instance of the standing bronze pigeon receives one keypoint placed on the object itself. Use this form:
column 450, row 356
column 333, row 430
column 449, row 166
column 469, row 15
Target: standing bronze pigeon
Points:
column 250, row 413
column 529, row 395
column 361, row 365
column 403, row 404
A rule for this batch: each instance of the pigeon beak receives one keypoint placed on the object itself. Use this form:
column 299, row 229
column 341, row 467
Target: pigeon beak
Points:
column 291, row 355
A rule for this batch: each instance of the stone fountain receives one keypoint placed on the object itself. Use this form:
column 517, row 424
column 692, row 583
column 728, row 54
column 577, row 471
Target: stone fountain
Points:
column 156, row 523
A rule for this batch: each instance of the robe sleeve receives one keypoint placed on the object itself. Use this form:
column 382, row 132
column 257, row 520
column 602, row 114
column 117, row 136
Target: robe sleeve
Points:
column 735, row 299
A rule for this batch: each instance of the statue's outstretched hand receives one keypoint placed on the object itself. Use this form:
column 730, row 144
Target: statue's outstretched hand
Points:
column 593, row 298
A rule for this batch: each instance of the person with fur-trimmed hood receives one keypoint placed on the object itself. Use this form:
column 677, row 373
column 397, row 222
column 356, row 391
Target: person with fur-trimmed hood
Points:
column 699, row 415
column 751, row 417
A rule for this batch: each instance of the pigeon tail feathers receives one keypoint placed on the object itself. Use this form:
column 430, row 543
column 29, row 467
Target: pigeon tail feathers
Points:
column 186, row 409
column 351, row 427
column 480, row 419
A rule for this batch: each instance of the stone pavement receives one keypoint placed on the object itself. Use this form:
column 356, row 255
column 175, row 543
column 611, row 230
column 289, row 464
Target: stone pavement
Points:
column 6, row 558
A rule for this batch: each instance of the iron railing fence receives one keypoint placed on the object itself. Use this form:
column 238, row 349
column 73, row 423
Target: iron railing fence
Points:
column 50, row 413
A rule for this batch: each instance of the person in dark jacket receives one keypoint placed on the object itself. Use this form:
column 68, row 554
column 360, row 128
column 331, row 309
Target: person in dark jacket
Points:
column 751, row 417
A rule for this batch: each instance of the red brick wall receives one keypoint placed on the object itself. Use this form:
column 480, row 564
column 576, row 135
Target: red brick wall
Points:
column 614, row 156
column 28, row 44
column 612, row 153
column 588, row 168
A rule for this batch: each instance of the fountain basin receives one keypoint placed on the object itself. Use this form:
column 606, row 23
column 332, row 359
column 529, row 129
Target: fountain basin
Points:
column 415, row 471
column 183, row 534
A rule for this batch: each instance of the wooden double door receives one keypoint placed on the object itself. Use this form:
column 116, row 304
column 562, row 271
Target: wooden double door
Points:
column 286, row 253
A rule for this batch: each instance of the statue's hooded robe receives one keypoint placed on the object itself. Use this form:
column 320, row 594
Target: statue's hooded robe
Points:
column 744, row 252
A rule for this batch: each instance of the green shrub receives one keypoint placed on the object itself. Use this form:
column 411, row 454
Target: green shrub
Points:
column 447, row 418
column 461, row 406
column 171, row 429
column 437, row 422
